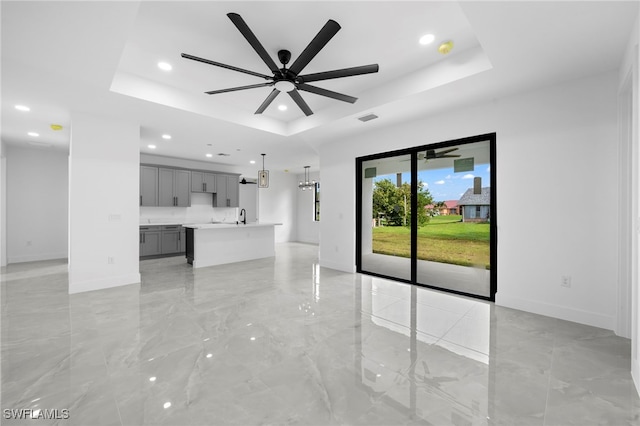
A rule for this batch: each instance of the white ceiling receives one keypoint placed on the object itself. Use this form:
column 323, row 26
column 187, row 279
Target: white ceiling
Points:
column 101, row 58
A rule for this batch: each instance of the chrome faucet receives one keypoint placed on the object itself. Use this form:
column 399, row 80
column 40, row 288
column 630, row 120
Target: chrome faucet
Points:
column 243, row 215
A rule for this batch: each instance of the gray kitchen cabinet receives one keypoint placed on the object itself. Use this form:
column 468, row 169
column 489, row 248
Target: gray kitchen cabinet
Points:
column 203, row 182
column 170, row 239
column 148, row 186
column 150, row 240
column 228, row 191
column 174, row 187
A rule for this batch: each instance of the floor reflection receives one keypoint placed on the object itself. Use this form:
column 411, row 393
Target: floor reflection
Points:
column 417, row 344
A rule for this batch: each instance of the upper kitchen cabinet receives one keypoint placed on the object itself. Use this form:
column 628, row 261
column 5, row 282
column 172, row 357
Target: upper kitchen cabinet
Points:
column 228, row 191
column 148, row 186
column 203, row 182
column 174, row 187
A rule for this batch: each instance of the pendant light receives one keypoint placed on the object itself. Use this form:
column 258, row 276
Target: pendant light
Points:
column 306, row 184
column 263, row 175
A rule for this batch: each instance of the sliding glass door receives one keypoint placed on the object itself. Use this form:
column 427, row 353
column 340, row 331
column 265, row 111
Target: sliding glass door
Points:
column 426, row 215
column 386, row 216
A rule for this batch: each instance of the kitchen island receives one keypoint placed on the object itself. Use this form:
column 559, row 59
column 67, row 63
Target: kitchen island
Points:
column 210, row 244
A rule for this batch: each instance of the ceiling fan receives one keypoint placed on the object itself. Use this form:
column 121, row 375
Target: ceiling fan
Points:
column 431, row 154
column 244, row 181
column 289, row 79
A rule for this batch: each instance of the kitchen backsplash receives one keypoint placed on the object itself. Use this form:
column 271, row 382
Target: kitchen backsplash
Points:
column 200, row 211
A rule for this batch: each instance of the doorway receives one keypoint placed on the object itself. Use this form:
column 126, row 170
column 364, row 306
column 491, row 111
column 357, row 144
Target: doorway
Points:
column 427, row 216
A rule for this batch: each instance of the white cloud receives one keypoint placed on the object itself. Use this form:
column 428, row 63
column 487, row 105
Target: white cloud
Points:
column 468, row 176
column 489, row 168
column 439, row 182
column 424, row 184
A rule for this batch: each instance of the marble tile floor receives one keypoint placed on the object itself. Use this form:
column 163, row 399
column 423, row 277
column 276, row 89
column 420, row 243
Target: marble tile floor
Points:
column 283, row 341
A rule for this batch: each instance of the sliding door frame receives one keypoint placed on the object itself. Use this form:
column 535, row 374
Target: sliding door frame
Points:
column 413, row 151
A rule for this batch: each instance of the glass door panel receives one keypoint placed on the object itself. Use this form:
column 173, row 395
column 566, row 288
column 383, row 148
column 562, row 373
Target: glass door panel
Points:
column 386, row 216
column 454, row 244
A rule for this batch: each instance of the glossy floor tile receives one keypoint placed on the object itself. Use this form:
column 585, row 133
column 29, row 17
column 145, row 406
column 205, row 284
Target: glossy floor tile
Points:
column 283, row 341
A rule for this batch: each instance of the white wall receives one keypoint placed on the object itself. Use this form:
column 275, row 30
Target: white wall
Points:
column 3, row 205
column 104, row 168
column 629, row 81
column 36, row 204
column 308, row 230
column 277, row 204
column 556, row 146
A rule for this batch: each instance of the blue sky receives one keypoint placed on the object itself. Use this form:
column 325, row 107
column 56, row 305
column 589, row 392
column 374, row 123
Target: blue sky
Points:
column 444, row 184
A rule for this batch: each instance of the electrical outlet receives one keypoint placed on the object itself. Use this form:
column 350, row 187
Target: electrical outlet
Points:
column 111, row 260
column 565, row 281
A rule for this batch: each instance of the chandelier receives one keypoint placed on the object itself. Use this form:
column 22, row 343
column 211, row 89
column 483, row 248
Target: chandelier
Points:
column 306, row 184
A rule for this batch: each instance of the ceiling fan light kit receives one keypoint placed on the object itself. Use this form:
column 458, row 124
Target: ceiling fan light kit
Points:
column 289, row 79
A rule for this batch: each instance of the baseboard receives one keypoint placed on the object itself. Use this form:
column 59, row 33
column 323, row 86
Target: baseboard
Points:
column 36, row 257
column 562, row 312
column 101, row 283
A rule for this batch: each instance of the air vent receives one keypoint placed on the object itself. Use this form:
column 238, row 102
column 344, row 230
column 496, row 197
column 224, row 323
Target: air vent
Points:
column 222, row 154
column 367, row 117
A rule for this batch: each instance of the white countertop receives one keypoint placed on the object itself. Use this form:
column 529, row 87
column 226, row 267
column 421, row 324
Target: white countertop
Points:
column 228, row 225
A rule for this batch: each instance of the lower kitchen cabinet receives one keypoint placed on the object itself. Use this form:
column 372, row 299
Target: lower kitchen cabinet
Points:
column 171, row 239
column 150, row 241
column 164, row 240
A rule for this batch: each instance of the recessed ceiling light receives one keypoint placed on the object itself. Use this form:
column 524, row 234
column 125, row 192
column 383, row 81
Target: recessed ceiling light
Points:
column 23, row 108
column 282, row 107
column 252, row 161
column 164, row 66
column 165, row 136
column 209, row 155
column 427, row 39
column 151, row 146
column 34, row 134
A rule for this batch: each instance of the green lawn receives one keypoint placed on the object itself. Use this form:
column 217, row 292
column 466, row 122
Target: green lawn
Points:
column 445, row 239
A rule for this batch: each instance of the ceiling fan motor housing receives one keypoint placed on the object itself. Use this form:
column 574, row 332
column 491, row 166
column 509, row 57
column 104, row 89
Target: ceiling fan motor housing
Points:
column 284, row 56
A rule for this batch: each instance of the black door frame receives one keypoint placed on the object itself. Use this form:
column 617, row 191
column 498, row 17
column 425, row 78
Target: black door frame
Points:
column 413, row 151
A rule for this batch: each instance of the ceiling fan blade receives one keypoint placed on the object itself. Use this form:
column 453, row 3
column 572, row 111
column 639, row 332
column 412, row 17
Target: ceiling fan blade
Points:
column 328, row 93
column 229, row 67
column 300, row 102
column 319, row 41
column 234, row 89
column 267, row 102
column 242, row 26
column 446, row 151
column 448, row 156
column 345, row 72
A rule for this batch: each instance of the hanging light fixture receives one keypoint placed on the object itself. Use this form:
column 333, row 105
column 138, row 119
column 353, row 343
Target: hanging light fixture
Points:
column 263, row 175
column 306, row 184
